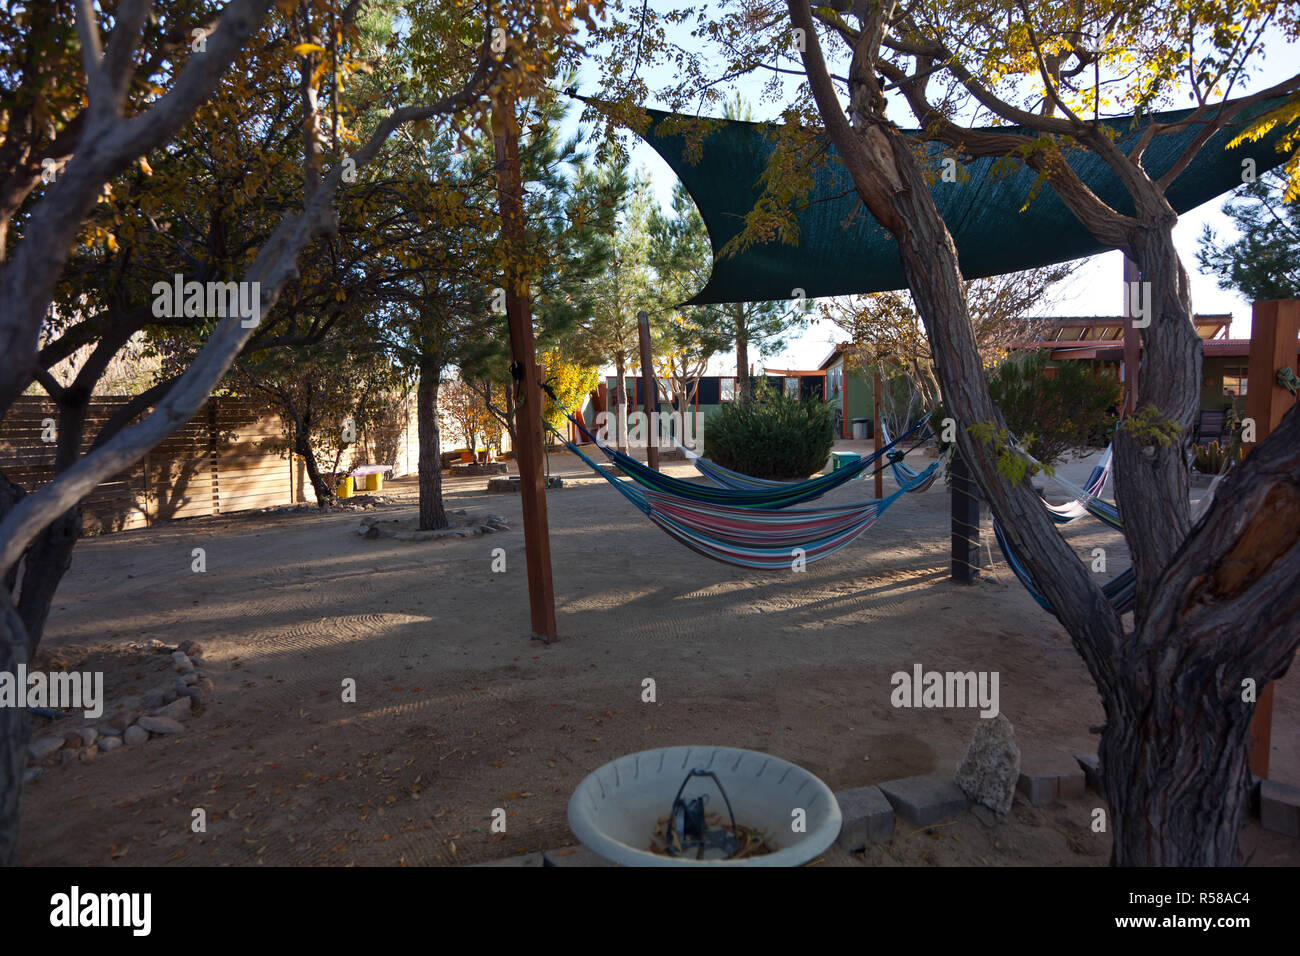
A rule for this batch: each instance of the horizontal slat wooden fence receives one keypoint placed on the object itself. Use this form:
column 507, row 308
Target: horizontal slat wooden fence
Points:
column 217, row 463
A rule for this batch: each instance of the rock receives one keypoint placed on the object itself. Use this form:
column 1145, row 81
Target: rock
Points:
column 158, row 645
column 49, row 713
column 89, row 754
column 182, row 662
column 991, row 768
column 194, row 696
column 44, row 746
column 88, row 735
column 198, row 662
column 206, row 686
column 106, row 731
column 925, row 800
column 485, row 529
column 108, row 744
column 178, row 709
column 495, row 519
column 190, row 648
column 135, row 734
column 370, row 531
column 122, row 720
column 130, row 704
column 153, row 699
column 68, row 756
column 169, row 695
column 162, row 725
column 31, row 773
column 72, row 741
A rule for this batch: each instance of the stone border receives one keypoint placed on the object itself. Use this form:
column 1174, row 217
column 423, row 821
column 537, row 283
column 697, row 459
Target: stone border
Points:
column 510, row 484
column 131, row 721
column 929, row 799
column 372, row 526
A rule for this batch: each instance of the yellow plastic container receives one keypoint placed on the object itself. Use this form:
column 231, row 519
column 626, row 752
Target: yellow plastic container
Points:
column 345, row 487
column 375, row 482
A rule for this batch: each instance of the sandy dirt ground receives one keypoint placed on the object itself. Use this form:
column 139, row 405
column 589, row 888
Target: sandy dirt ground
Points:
column 459, row 713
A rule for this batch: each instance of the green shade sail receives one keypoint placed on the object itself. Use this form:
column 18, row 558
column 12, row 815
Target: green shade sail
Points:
column 843, row 250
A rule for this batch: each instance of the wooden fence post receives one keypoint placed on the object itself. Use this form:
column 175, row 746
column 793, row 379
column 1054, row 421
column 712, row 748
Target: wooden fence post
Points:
column 1274, row 328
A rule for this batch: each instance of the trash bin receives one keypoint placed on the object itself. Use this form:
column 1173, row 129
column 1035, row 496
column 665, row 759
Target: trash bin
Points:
column 375, row 481
column 345, row 487
column 861, row 428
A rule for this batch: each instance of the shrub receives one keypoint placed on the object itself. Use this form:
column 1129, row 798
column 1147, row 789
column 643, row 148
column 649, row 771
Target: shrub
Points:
column 1054, row 415
column 777, row 437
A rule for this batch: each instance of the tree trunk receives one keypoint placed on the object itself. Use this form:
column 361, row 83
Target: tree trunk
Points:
column 14, row 733
column 511, row 429
column 303, row 447
column 44, row 565
column 744, row 383
column 432, row 513
column 50, row 555
column 620, row 403
column 1152, row 482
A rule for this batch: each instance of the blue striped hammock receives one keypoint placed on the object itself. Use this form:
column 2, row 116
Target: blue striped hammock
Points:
column 1121, row 590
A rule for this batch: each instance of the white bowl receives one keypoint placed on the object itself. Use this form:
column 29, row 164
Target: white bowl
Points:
column 615, row 809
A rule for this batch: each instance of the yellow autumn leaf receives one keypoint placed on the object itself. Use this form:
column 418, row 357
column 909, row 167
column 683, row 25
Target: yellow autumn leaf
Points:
column 304, row 48
column 145, row 167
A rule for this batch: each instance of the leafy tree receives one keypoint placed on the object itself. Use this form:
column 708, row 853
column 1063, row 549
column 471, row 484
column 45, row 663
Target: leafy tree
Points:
column 326, row 395
column 688, row 336
column 887, row 332
column 1264, row 262
column 449, row 310
column 466, row 408
column 624, row 287
column 132, row 98
column 571, row 382
column 1173, row 749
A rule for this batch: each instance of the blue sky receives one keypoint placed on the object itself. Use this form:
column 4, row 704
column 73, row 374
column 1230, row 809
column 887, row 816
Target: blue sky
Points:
column 1095, row 288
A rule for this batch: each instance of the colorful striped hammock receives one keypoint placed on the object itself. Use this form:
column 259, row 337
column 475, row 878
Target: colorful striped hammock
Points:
column 767, row 539
column 775, row 494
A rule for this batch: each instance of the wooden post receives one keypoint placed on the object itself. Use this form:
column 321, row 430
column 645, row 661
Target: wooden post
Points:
column 965, row 521
column 875, row 431
column 529, row 398
column 649, row 390
column 1132, row 339
column 1274, row 327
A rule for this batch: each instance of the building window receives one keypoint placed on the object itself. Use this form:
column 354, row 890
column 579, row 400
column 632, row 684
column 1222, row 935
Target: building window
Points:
column 727, row 387
column 792, row 387
column 1234, row 381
